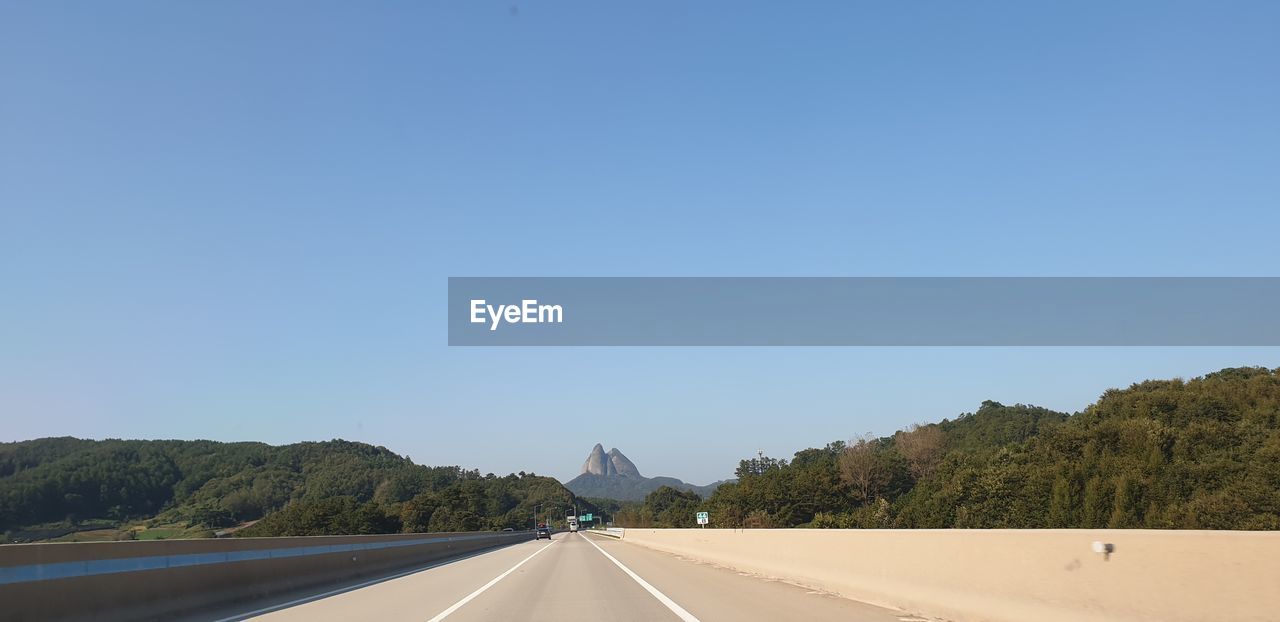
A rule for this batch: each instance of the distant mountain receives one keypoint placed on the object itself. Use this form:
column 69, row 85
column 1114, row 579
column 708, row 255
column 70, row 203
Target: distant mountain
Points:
column 613, row 476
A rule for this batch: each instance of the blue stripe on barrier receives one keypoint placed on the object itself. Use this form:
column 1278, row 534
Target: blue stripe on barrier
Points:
column 68, row 570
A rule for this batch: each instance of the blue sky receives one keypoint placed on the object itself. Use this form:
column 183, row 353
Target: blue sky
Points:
column 236, row 221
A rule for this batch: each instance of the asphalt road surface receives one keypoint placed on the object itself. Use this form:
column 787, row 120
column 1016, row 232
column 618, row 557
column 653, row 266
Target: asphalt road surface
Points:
column 576, row 577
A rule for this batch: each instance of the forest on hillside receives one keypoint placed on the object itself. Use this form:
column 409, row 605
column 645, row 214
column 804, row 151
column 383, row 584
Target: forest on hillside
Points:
column 1164, row 454
column 302, row 489
column 1161, row 454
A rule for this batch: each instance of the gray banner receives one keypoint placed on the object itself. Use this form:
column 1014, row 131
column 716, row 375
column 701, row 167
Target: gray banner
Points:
column 863, row 311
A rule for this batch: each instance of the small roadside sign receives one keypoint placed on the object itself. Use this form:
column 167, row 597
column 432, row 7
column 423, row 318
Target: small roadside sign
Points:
column 703, row 518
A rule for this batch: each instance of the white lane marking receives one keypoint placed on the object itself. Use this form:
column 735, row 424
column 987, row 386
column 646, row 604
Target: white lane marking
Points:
column 662, row 598
column 349, row 588
column 458, row 605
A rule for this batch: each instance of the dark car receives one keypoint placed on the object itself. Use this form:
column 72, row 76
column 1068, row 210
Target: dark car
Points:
column 542, row 532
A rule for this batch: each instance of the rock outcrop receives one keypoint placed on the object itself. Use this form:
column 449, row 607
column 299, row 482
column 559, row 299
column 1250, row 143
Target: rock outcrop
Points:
column 598, row 463
column 614, row 476
column 621, row 464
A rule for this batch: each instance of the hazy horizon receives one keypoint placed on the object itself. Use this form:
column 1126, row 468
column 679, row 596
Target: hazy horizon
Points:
column 651, row 462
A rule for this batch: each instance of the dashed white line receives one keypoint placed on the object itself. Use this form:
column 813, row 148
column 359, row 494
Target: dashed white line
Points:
column 458, row 605
column 662, row 598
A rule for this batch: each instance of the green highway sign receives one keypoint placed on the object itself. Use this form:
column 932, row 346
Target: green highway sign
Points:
column 588, row 516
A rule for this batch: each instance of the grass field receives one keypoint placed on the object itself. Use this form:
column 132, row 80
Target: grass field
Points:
column 91, row 535
column 134, row 532
column 160, row 534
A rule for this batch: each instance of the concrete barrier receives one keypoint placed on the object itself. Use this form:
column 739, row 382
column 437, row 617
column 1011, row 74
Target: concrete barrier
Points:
column 1010, row 575
column 161, row 579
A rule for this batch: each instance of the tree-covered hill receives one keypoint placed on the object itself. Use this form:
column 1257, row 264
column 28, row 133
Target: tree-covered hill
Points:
column 1203, row 453
column 206, row 484
column 1169, row 454
column 625, row 488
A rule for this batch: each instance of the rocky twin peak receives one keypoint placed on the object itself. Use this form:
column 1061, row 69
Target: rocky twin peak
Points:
column 613, row 476
column 610, row 464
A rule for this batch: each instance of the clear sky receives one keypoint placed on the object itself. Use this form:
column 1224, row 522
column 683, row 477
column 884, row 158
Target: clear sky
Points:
column 235, row 220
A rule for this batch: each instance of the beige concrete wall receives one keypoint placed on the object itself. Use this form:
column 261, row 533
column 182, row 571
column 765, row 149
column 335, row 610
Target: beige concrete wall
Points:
column 1010, row 575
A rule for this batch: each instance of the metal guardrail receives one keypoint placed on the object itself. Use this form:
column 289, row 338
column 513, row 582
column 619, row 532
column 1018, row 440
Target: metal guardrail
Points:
column 91, row 567
column 164, row 579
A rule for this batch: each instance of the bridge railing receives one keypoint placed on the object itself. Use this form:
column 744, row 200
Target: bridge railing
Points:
column 158, row 579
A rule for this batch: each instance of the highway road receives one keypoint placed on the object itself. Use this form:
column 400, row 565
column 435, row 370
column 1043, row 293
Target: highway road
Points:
column 575, row 577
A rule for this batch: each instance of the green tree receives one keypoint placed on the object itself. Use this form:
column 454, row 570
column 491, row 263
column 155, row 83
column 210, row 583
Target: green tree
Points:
column 1065, row 504
column 1127, row 501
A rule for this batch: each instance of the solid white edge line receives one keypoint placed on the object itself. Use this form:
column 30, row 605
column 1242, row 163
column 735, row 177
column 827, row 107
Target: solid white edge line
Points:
column 662, row 598
column 458, row 605
column 350, row 588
